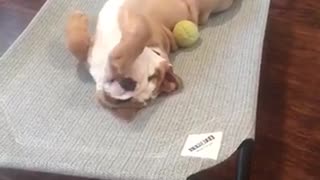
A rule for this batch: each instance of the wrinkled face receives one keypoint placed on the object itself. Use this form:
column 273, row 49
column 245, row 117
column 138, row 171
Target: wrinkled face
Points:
column 147, row 76
column 135, row 73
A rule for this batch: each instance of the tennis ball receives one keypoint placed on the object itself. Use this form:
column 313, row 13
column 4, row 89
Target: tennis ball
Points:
column 186, row 33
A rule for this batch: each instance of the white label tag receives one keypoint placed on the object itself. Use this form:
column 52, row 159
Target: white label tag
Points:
column 203, row 145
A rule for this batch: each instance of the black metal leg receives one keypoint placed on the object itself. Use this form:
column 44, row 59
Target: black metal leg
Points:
column 242, row 163
column 244, row 160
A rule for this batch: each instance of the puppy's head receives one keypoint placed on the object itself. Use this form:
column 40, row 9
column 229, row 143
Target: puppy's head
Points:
column 148, row 76
column 137, row 73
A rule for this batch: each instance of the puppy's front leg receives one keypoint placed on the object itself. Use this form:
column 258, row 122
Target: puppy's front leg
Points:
column 136, row 33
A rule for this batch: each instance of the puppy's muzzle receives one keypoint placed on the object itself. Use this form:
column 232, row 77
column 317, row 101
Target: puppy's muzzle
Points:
column 128, row 84
column 108, row 102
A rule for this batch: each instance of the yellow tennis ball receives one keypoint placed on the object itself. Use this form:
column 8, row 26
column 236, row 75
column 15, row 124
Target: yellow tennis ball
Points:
column 186, row 33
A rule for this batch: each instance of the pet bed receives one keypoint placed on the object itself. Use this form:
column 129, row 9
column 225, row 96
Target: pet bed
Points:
column 50, row 122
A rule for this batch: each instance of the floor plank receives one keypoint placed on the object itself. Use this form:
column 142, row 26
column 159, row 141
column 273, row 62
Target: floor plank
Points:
column 288, row 136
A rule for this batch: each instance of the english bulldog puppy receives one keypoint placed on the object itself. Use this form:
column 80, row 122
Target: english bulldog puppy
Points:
column 128, row 56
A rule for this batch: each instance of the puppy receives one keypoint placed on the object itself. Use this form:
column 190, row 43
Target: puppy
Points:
column 129, row 55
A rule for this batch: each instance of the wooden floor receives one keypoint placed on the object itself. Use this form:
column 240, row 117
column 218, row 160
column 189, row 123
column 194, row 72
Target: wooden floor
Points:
column 288, row 119
column 14, row 17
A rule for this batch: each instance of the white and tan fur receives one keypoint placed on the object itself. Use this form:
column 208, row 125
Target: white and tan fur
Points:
column 133, row 39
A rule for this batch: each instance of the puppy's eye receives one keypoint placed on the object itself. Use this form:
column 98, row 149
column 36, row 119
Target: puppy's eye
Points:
column 155, row 75
column 156, row 52
column 150, row 78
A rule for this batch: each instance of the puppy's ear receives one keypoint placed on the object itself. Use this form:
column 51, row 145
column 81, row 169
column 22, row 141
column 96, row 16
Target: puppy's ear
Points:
column 136, row 33
column 78, row 38
column 171, row 81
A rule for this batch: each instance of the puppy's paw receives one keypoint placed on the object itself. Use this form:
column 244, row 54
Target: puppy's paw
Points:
column 120, row 62
column 78, row 39
column 204, row 18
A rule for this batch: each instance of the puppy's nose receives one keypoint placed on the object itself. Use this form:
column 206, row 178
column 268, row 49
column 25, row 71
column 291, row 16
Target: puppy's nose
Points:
column 128, row 84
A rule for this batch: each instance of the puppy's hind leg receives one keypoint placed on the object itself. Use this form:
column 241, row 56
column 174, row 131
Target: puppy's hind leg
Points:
column 193, row 8
column 225, row 4
column 204, row 17
column 78, row 38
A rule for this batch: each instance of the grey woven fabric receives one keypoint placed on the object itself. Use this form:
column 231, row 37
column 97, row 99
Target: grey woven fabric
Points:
column 49, row 120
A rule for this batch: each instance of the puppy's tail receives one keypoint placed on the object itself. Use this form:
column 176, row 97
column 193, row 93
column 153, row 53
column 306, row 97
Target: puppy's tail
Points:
column 78, row 38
